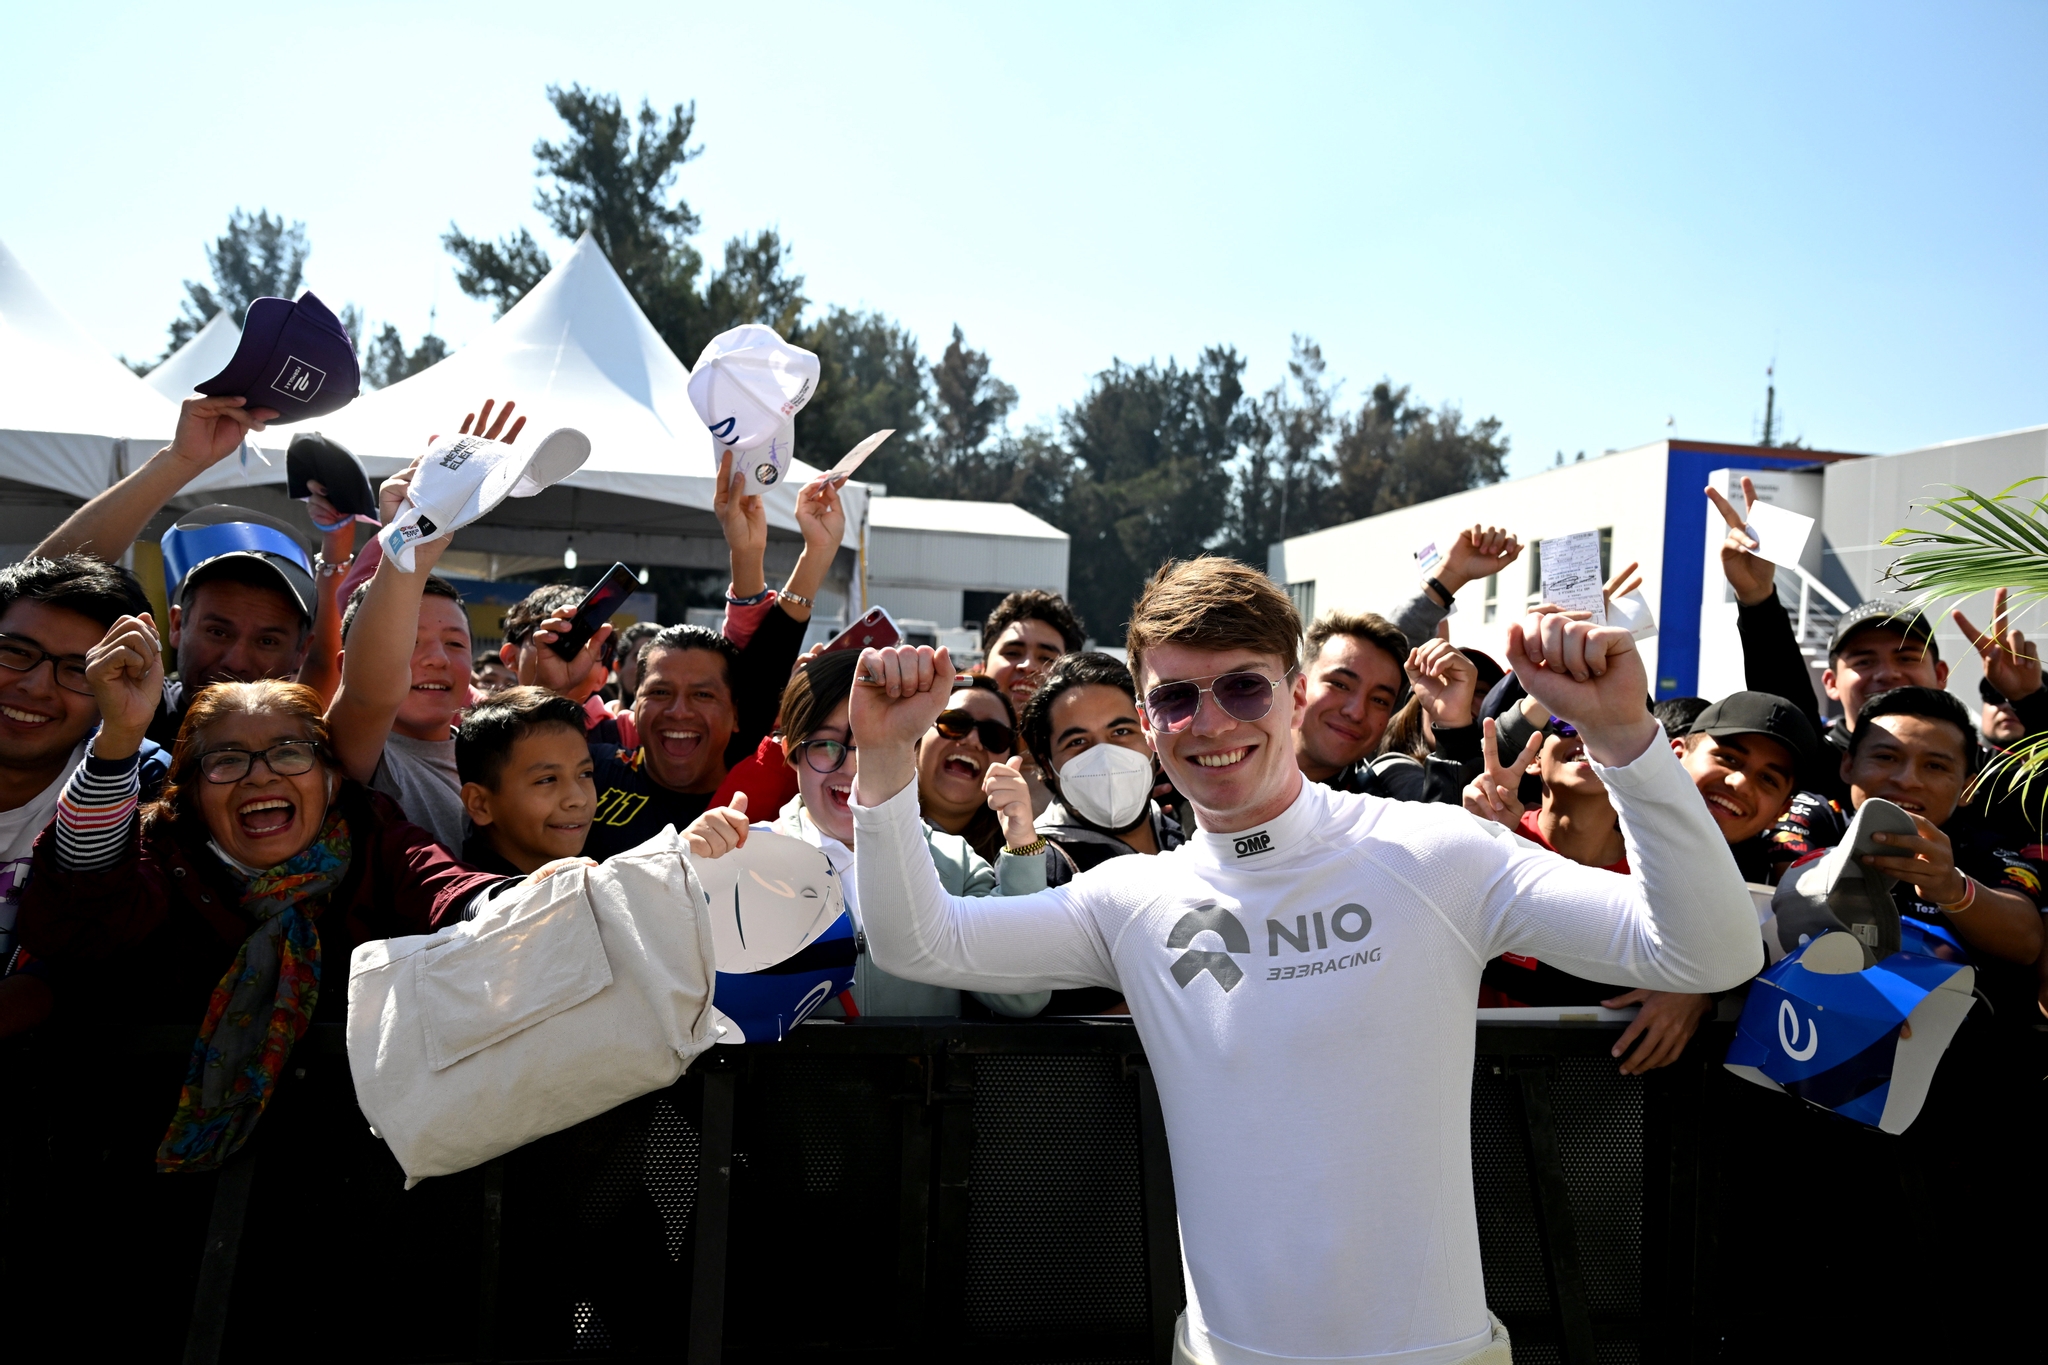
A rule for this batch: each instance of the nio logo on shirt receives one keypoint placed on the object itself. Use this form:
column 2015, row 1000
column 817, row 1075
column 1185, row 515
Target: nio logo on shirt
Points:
column 1349, row 923
column 1261, row 842
column 1194, row 962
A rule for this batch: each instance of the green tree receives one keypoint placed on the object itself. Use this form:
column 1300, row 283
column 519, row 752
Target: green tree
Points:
column 1281, row 482
column 871, row 376
column 386, row 361
column 1150, row 449
column 1395, row 452
column 259, row 256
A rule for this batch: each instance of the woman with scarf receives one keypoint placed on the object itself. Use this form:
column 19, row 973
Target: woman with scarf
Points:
column 232, row 903
column 822, row 749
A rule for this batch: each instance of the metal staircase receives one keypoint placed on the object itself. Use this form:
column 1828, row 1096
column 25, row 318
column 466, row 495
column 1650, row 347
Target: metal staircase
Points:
column 1814, row 610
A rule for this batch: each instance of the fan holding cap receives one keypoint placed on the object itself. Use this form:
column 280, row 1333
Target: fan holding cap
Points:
column 241, row 592
column 748, row 386
column 294, row 358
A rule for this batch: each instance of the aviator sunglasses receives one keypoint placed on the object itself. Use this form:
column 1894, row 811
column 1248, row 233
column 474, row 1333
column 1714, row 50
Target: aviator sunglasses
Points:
column 996, row 737
column 1245, row 695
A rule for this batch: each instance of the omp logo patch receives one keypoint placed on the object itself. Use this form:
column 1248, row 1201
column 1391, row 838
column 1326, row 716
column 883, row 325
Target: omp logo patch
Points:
column 1195, row 961
column 299, row 380
column 617, row 806
column 1251, row 844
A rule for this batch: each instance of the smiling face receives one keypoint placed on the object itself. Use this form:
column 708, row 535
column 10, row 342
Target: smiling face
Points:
column 1915, row 762
column 1020, row 655
column 41, row 722
column 827, row 797
column 1353, row 688
column 1565, row 769
column 1091, row 714
column 1747, row 781
column 685, row 715
column 1877, row 660
column 539, row 809
column 261, row 819
column 1236, row 773
column 949, row 771
column 440, row 671
column 2002, row 724
column 237, row 632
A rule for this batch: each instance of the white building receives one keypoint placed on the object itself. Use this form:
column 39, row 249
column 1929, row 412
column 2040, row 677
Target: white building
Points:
column 1650, row 506
column 949, row 562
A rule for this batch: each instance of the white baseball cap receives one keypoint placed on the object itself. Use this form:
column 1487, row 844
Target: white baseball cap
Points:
column 767, row 900
column 748, row 386
column 464, row 477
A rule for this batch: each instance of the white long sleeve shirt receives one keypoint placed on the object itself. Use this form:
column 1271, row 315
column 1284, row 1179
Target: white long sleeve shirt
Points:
column 1305, row 992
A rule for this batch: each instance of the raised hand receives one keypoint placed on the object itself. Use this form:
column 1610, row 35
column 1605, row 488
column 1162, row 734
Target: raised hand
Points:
column 326, row 518
column 2012, row 663
column 1625, row 581
column 1753, row 577
column 1477, row 552
column 391, row 493
column 547, row 870
column 1926, row 860
column 1591, row 676
column 1495, row 793
column 538, row 665
column 744, row 519
column 211, row 429
column 1444, row 679
column 126, row 673
column 1009, row 796
column 897, row 693
column 820, row 516
column 720, row 830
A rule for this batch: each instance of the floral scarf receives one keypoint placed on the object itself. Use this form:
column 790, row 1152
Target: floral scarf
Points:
column 259, row 1010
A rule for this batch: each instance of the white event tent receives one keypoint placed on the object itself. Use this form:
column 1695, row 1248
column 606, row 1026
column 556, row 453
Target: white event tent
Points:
column 576, row 351
column 72, row 418
column 202, row 357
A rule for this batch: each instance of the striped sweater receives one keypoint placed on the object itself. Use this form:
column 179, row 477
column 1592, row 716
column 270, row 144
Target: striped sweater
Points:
column 96, row 811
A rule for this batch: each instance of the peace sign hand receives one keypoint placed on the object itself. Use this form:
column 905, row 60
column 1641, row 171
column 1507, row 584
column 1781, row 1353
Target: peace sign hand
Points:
column 2012, row 663
column 1753, row 577
column 1493, row 795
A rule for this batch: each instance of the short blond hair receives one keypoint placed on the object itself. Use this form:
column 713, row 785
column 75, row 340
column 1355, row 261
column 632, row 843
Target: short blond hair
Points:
column 1213, row 603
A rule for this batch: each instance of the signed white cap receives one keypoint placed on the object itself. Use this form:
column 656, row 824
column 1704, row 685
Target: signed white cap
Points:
column 464, row 477
column 748, row 386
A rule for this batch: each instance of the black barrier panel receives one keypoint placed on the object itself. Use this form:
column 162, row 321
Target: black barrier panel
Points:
column 879, row 1191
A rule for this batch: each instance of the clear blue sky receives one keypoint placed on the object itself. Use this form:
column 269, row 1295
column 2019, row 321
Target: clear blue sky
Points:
column 1583, row 222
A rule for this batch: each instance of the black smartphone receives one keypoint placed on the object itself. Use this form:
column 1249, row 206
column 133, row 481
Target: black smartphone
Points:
column 875, row 630
column 598, row 606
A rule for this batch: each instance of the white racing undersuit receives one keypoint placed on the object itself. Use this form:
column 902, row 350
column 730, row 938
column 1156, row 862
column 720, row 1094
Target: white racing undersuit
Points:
column 1305, row 992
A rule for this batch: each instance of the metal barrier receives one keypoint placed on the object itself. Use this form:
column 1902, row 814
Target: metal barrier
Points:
column 887, row 1191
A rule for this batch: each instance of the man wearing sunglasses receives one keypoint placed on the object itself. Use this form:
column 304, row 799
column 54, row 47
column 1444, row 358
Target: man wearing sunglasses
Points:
column 1302, row 970
column 52, row 613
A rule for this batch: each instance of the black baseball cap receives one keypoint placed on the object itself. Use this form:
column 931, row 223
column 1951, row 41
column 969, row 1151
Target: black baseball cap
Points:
column 1762, row 713
column 1990, row 694
column 1880, row 614
column 311, row 457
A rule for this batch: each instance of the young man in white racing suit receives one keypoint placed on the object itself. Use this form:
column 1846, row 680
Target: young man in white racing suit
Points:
column 1302, row 971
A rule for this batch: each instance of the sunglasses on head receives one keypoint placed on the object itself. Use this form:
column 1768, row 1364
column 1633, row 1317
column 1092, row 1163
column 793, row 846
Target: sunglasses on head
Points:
column 1244, row 695
column 996, row 737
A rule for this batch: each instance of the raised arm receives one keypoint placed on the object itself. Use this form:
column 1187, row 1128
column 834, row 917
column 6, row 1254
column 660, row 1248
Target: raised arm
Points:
column 1682, row 920
column 1771, row 661
column 321, row 672
column 1007, row 944
column 208, row 431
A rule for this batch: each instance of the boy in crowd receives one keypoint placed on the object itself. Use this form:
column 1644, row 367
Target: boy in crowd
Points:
column 1745, row 755
column 1088, row 700
column 54, row 615
column 1355, row 683
column 490, row 674
column 527, row 780
column 536, row 622
column 1021, row 638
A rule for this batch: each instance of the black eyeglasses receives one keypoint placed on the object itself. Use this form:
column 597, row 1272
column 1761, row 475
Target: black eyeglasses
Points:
column 288, row 758
column 996, row 737
column 21, row 656
column 825, row 755
column 1242, row 696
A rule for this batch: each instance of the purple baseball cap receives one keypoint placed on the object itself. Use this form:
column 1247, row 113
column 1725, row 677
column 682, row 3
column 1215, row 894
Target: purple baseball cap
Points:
column 295, row 359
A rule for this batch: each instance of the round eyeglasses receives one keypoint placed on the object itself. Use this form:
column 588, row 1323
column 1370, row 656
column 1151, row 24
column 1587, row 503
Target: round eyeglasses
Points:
column 825, row 755
column 1244, row 695
column 288, row 758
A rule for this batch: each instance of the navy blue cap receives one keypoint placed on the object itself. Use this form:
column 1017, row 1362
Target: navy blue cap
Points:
column 295, row 358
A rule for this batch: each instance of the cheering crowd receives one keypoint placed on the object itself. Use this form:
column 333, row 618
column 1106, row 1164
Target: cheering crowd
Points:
column 199, row 828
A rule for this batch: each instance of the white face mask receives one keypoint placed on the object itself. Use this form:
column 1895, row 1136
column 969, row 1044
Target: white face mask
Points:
column 1108, row 784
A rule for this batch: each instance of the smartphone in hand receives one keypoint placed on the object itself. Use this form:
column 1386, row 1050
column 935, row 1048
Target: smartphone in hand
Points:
column 875, row 630
column 598, row 606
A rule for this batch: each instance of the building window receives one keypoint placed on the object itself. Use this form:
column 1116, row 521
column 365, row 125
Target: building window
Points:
column 1304, row 595
column 1492, row 598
